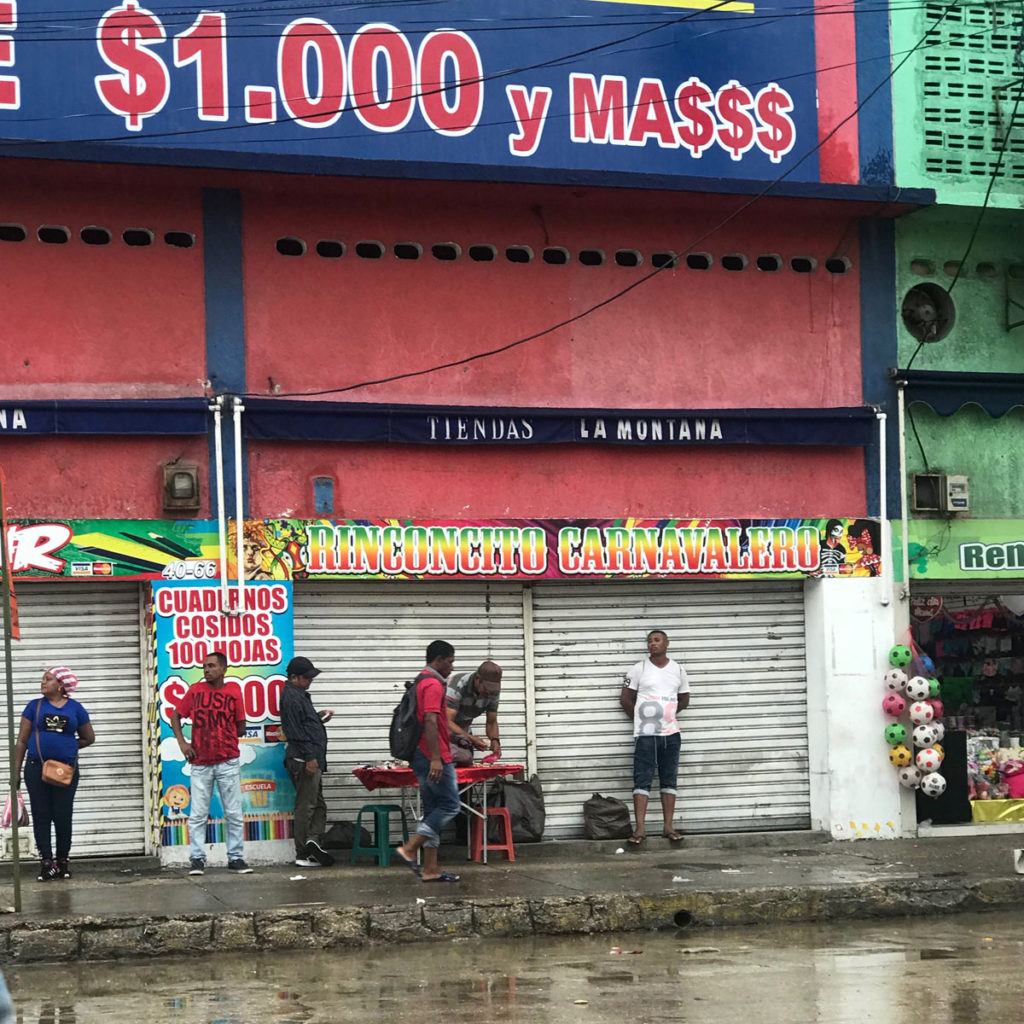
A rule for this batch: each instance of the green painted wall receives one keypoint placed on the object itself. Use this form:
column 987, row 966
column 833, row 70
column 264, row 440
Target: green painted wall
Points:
column 929, row 244
column 953, row 98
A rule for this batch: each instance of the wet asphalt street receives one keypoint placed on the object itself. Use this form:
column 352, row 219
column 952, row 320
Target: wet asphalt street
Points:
column 960, row 969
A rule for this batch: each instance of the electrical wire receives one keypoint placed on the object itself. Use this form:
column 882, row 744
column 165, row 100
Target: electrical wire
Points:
column 670, row 264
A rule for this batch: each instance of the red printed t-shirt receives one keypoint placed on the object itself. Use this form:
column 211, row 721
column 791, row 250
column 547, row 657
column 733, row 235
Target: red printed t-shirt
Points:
column 215, row 712
column 431, row 696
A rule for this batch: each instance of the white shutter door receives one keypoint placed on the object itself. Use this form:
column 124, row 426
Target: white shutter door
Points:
column 94, row 630
column 368, row 638
column 744, row 755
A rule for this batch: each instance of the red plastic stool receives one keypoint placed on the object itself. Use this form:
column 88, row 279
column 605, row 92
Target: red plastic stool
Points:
column 507, row 847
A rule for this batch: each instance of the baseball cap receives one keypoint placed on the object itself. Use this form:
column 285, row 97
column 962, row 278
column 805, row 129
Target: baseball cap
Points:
column 302, row 667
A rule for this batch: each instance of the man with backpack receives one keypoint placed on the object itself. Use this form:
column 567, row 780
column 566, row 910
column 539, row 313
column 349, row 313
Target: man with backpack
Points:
column 432, row 763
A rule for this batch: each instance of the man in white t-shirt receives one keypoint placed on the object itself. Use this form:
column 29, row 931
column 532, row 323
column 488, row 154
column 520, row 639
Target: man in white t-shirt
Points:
column 654, row 691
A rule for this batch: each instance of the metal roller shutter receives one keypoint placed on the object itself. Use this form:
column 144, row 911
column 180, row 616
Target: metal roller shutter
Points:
column 94, row 630
column 370, row 637
column 744, row 760
column 967, row 591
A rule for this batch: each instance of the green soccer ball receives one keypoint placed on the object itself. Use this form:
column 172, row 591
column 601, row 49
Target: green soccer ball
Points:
column 900, row 656
column 895, row 734
column 934, row 689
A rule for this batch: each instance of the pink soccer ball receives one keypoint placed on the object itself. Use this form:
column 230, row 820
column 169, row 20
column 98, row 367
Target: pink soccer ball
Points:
column 893, row 705
column 895, row 680
column 917, row 688
column 936, row 706
column 928, row 760
column 921, row 713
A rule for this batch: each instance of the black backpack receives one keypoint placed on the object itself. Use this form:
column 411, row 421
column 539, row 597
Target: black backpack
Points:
column 405, row 727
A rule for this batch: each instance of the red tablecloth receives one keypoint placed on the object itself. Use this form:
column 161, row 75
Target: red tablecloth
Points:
column 379, row 778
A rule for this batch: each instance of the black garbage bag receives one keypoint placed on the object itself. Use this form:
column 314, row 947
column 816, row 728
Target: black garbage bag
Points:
column 525, row 803
column 604, row 817
column 342, row 834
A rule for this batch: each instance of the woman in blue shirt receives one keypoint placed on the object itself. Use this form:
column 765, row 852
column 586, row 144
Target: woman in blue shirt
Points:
column 53, row 727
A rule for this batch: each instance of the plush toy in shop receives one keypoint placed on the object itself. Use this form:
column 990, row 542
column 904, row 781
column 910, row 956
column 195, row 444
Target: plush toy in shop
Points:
column 917, row 688
column 910, row 778
column 900, row 756
column 933, row 785
column 927, row 665
column 921, row 713
column 936, row 704
column 925, row 735
column 896, row 733
column 893, row 705
column 928, row 760
column 900, row 656
column 934, row 688
column 895, row 679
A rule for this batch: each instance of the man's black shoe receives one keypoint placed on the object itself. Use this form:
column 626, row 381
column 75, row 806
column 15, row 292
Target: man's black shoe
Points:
column 314, row 851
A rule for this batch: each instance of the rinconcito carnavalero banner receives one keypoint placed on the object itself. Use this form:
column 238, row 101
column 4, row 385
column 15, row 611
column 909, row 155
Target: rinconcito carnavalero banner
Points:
column 342, row 549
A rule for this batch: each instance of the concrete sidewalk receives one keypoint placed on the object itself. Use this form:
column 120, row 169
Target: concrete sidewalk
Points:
column 130, row 907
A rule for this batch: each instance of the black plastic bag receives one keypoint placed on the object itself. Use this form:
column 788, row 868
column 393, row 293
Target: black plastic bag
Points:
column 604, row 817
column 525, row 803
column 341, row 836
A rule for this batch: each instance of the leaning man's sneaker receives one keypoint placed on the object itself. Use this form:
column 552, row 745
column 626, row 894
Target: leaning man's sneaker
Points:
column 315, row 852
column 196, row 866
column 239, row 867
column 305, row 862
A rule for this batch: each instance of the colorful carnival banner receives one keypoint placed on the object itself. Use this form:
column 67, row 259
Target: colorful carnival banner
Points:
column 189, row 625
column 966, row 549
column 295, row 549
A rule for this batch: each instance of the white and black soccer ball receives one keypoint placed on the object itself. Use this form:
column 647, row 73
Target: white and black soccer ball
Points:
column 933, row 784
column 940, row 732
column 917, row 688
column 895, row 679
column 925, row 735
column 910, row 777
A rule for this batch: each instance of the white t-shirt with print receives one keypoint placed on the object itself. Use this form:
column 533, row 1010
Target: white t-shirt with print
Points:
column 657, row 695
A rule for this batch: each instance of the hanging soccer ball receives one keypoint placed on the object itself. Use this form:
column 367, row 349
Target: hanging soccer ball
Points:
column 900, row 656
column 920, row 712
column 901, row 757
column 928, row 760
column 895, row 679
column 925, row 735
column 933, row 784
column 936, row 706
column 910, row 778
column 940, row 733
column 894, row 705
column 917, row 688
column 896, row 733
column 934, row 688
column 937, row 747
column 927, row 665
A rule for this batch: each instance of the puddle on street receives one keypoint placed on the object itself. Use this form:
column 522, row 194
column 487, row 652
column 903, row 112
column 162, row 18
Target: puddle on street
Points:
column 960, row 969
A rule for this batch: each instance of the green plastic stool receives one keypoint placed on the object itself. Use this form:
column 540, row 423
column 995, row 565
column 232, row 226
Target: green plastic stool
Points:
column 381, row 848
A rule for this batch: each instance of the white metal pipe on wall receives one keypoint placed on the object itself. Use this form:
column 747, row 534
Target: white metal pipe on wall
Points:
column 239, row 505
column 222, row 523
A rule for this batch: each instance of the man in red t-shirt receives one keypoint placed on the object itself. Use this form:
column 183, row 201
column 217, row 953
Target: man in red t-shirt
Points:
column 217, row 711
column 432, row 763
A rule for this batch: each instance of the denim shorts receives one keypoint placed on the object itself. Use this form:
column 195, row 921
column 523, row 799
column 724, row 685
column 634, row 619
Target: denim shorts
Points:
column 656, row 751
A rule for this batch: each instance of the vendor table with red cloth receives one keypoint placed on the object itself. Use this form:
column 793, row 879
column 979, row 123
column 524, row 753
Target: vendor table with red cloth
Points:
column 466, row 776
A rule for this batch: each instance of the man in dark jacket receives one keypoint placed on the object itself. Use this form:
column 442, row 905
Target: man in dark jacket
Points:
column 306, row 761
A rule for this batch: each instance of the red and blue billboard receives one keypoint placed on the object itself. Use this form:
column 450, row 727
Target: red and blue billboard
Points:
column 560, row 90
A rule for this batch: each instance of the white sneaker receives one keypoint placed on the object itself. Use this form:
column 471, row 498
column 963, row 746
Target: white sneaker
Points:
column 305, row 862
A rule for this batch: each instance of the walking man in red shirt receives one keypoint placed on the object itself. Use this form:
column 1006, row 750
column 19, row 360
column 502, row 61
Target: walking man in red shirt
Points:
column 432, row 763
column 217, row 711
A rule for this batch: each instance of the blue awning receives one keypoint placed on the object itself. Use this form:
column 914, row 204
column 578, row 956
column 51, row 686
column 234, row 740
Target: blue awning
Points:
column 947, row 391
column 117, row 416
column 292, row 420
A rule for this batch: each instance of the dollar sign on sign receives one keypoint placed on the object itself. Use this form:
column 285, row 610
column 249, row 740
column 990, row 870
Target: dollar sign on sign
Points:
column 778, row 133
column 692, row 99
column 141, row 86
column 736, row 127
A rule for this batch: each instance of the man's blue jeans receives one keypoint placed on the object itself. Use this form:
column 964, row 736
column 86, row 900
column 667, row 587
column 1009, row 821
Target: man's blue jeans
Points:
column 440, row 799
column 228, row 776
